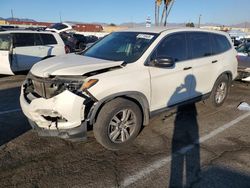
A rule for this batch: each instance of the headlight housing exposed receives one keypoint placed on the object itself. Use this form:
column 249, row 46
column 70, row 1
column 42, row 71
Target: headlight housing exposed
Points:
column 50, row 87
column 71, row 83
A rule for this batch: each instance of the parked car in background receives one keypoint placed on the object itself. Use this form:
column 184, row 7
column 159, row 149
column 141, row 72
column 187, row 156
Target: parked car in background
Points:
column 236, row 42
column 122, row 80
column 60, row 27
column 20, row 50
column 244, row 49
column 244, row 61
column 76, row 42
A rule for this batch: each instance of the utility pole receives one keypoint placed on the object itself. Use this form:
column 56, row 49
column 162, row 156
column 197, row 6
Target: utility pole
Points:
column 12, row 16
column 199, row 23
column 60, row 17
column 156, row 21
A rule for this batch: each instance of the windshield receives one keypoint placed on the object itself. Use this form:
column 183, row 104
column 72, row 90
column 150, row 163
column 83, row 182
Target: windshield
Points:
column 244, row 48
column 5, row 41
column 121, row 46
column 58, row 26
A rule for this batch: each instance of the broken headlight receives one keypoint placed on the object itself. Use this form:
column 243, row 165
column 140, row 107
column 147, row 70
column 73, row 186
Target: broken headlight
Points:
column 71, row 83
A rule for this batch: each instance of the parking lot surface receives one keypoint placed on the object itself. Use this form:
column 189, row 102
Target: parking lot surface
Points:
column 192, row 146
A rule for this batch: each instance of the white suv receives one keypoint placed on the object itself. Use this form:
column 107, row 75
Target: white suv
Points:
column 20, row 50
column 122, row 80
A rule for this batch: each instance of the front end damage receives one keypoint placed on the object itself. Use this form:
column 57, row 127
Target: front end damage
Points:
column 57, row 106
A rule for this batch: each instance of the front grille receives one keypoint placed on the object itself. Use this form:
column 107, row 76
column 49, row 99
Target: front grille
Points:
column 39, row 88
column 43, row 87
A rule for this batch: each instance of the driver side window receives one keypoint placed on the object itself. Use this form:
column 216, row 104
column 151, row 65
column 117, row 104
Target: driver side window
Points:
column 173, row 46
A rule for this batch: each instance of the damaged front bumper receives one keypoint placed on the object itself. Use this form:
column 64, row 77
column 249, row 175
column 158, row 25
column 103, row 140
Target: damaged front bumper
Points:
column 61, row 115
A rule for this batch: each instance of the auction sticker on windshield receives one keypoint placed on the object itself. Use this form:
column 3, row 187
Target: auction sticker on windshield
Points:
column 145, row 36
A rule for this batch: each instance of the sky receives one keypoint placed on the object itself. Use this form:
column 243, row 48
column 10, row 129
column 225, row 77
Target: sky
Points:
column 212, row 11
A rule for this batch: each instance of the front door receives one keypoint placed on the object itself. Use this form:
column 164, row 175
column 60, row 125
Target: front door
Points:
column 171, row 85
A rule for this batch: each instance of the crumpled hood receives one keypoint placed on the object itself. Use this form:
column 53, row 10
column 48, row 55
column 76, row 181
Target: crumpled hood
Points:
column 71, row 64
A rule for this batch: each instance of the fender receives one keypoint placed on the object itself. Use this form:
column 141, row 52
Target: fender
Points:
column 137, row 97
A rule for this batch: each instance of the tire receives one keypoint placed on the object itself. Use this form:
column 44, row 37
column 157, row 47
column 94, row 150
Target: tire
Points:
column 107, row 127
column 81, row 46
column 220, row 92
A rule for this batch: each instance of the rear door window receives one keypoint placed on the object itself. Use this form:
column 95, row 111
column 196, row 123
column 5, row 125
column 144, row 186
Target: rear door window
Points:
column 24, row 39
column 5, row 42
column 199, row 44
column 38, row 40
column 220, row 44
column 48, row 39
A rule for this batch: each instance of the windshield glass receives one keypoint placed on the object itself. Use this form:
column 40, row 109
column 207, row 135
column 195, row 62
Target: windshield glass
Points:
column 121, row 46
column 58, row 26
column 5, row 41
column 244, row 48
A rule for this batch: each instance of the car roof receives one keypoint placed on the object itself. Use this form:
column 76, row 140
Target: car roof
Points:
column 159, row 30
column 25, row 31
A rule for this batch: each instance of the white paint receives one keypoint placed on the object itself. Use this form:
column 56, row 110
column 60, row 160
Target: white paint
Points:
column 160, row 163
column 244, row 106
column 247, row 79
column 10, row 111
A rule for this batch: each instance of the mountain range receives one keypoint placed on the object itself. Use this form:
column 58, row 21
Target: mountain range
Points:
column 132, row 24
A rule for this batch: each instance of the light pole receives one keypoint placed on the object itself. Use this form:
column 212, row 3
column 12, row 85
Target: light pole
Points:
column 199, row 23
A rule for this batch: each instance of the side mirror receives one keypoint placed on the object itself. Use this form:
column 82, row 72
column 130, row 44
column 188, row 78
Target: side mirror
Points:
column 163, row 62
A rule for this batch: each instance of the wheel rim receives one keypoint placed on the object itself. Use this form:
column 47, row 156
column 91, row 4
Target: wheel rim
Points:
column 122, row 126
column 221, row 92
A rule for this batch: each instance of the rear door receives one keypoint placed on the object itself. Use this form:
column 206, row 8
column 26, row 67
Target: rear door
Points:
column 204, row 64
column 26, row 51
column 49, row 47
column 5, row 55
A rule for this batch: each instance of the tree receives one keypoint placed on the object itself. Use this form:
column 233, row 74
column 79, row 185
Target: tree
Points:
column 190, row 24
column 112, row 24
column 168, row 4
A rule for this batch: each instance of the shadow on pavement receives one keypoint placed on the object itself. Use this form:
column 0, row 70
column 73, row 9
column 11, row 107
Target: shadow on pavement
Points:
column 219, row 177
column 185, row 164
column 12, row 121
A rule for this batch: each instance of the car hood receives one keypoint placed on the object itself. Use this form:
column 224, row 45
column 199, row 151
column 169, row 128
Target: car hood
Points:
column 71, row 64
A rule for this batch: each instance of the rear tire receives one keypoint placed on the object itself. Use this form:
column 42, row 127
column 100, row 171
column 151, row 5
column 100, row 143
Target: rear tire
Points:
column 118, row 123
column 219, row 92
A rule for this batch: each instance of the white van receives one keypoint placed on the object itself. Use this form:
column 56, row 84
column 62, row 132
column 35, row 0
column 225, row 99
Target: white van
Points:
column 20, row 50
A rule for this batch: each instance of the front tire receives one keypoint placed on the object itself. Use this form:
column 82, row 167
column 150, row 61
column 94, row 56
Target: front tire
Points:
column 219, row 92
column 118, row 123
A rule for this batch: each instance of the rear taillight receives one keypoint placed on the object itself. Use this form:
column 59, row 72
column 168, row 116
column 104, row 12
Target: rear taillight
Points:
column 237, row 57
column 67, row 49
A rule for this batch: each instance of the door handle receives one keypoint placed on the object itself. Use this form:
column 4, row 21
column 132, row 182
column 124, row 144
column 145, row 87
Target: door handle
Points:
column 187, row 68
column 215, row 61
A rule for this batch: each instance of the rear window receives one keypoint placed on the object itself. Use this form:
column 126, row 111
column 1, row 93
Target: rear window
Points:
column 199, row 44
column 48, row 39
column 24, row 39
column 5, row 42
column 220, row 43
column 58, row 26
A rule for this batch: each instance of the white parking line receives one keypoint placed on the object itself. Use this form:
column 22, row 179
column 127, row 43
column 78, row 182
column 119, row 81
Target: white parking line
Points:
column 160, row 163
column 10, row 111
